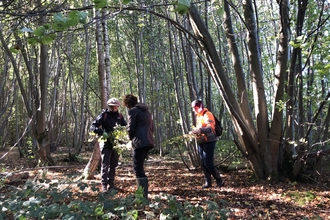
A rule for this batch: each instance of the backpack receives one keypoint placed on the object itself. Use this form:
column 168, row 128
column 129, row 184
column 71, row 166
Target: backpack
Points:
column 218, row 129
column 217, row 126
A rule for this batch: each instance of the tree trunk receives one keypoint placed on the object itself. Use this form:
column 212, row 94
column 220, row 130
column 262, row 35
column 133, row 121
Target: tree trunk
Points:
column 240, row 78
column 101, row 63
column 93, row 162
column 96, row 157
column 247, row 138
column 275, row 133
column 296, row 69
column 43, row 145
column 106, row 52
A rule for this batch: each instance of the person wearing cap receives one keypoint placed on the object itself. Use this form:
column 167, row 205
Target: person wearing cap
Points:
column 205, row 133
column 140, row 131
column 103, row 125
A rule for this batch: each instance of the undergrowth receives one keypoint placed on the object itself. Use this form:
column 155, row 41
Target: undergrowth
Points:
column 72, row 199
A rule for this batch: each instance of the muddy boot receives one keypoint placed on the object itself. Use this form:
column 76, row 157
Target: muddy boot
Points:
column 143, row 182
column 207, row 177
column 218, row 178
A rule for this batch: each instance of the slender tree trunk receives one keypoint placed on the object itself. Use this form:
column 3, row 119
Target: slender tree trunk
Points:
column 275, row 134
column 84, row 98
column 142, row 73
column 72, row 140
column 106, row 52
column 191, row 149
column 296, row 68
column 41, row 132
column 240, row 78
column 101, row 63
column 43, row 144
column 260, row 104
column 96, row 157
column 54, row 127
column 247, row 138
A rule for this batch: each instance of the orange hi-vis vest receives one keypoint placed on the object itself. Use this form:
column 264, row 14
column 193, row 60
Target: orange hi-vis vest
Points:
column 205, row 118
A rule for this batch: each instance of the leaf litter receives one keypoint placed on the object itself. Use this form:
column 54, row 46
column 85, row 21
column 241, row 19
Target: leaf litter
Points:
column 243, row 196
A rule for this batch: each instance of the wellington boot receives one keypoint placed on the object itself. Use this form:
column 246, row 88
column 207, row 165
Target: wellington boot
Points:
column 143, row 182
column 218, row 178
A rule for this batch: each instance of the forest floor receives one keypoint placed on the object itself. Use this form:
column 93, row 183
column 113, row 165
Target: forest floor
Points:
column 243, row 196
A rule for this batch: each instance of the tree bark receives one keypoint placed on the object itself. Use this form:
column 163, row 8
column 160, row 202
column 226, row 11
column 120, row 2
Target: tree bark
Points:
column 93, row 162
column 275, row 134
column 43, row 145
column 297, row 69
column 96, row 157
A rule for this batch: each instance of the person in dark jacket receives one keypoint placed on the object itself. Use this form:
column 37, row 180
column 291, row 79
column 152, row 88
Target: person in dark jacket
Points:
column 103, row 125
column 205, row 132
column 140, row 131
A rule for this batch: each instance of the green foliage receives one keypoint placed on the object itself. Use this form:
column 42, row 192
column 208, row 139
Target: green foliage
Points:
column 74, row 18
column 100, row 3
column 119, row 134
column 182, row 6
column 43, row 199
column 45, row 34
column 301, row 198
column 139, row 197
column 280, row 105
column 118, row 137
column 298, row 43
column 218, row 5
column 175, row 209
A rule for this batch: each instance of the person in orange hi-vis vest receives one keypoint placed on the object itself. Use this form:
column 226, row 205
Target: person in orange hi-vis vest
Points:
column 206, row 138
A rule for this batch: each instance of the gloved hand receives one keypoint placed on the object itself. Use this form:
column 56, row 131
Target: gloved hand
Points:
column 196, row 131
column 105, row 135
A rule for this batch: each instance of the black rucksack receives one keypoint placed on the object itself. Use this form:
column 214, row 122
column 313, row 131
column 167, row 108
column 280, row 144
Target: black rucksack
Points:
column 218, row 128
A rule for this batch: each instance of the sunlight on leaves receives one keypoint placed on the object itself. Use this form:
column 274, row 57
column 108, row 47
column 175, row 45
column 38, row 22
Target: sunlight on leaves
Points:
column 301, row 198
column 280, row 105
column 40, row 31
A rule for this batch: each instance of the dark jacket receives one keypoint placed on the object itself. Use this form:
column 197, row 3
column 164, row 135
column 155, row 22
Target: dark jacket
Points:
column 105, row 122
column 140, row 126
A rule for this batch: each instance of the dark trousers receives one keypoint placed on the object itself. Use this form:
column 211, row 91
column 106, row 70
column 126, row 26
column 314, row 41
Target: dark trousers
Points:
column 109, row 162
column 206, row 154
column 139, row 156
